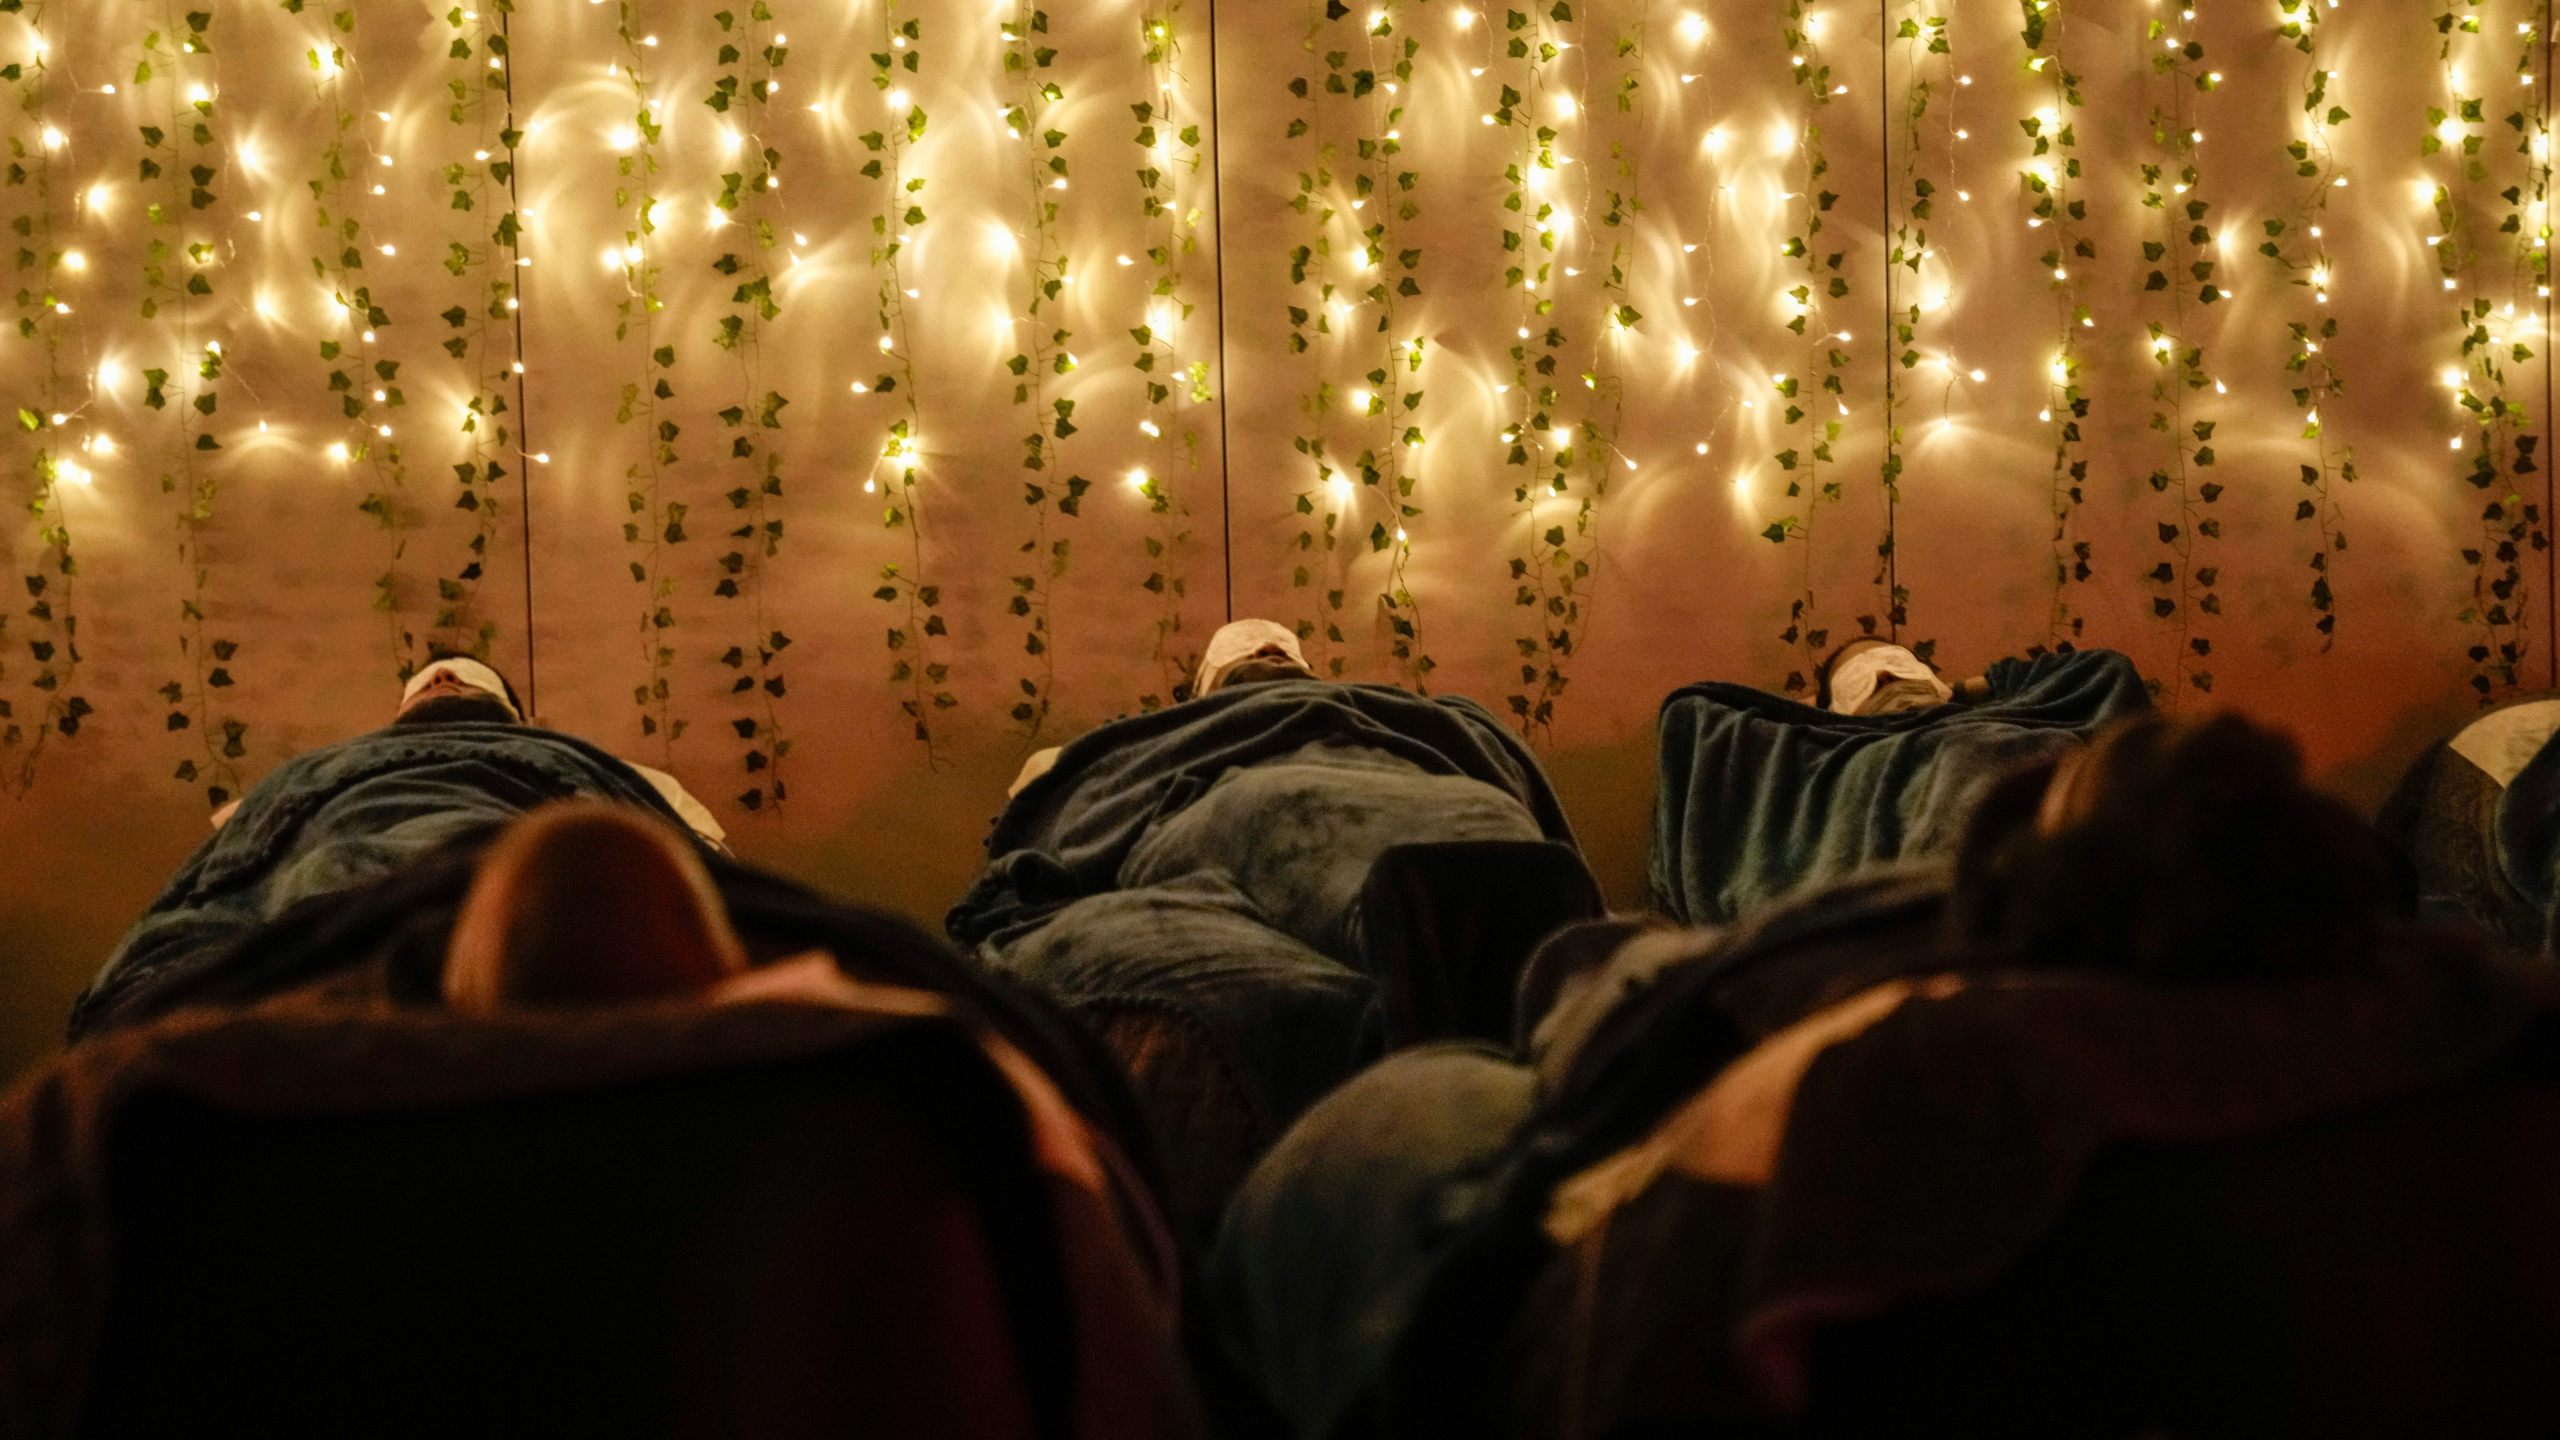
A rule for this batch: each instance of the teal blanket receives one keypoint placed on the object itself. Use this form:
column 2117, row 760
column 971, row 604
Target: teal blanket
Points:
column 1761, row 796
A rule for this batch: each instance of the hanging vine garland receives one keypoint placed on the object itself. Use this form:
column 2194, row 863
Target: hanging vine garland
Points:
column 182, row 158
column 1536, row 442
column 2187, row 577
column 1052, row 490
column 916, row 665
column 363, row 377
column 52, row 634
column 2298, row 245
column 483, row 332
column 1171, row 148
column 2500, row 455
column 1565, row 556
column 1328, row 489
column 2051, row 187
column 657, row 522
column 1823, row 281
column 1922, row 35
column 1391, row 398
column 751, row 54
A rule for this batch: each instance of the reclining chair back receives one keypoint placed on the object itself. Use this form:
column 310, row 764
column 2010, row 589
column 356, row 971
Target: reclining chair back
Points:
column 817, row 1225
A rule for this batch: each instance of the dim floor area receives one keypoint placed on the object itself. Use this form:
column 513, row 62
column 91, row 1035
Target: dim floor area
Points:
column 1990, row 1054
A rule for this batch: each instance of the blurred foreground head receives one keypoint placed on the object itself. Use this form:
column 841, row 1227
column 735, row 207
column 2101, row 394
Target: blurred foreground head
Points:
column 2177, row 849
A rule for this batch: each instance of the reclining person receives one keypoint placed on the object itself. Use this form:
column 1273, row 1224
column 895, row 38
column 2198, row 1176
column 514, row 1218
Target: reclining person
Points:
column 1252, row 893
column 458, row 758
column 856, row 1179
column 2479, row 817
column 2172, row 903
column 1761, row 796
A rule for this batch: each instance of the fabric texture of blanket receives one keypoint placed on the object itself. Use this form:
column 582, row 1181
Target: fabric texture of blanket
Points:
column 1209, row 862
column 1761, row 796
column 335, row 819
column 1069, row 834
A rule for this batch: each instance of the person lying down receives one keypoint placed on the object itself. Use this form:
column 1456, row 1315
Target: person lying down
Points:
column 2478, row 815
column 1761, row 796
column 458, row 757
column 1245, row 892
column 2165, row 935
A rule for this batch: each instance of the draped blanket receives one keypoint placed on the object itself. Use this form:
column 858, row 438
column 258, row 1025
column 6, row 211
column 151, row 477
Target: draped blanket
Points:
column 1762, row 796
column 1070, row 833
column 336, row 819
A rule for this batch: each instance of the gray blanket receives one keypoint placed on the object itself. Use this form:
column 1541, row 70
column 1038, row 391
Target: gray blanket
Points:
column 1074, row 831
column 338, row 818
column 1762, row 796
column 1207, row 861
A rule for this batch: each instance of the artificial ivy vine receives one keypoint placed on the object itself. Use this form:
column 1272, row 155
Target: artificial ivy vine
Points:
column 2502, row 455
column 1536, row 441
column 1816, row 396
column 916, row 665
column 1922, row 35
column 483, row 329
column 1557, row 579
column 1052, row 489
column 181, row 161
column 2051, row 187
column 1169, row 144
column 1312, row 317
column 364, row 379
column 2187, row 579
column 1384, row 195
column 656, row 522
column 751, row 54
column 2298, row 245
column 52, row 634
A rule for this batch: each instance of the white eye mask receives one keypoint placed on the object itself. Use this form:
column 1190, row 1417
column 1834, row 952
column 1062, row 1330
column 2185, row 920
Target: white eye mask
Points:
column 1854, row 681
column 1238, row 641
column 469, row 672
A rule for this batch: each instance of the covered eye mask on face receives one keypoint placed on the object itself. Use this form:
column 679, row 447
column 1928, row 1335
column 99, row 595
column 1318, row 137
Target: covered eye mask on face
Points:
column 469, row 672
column 1854, row 681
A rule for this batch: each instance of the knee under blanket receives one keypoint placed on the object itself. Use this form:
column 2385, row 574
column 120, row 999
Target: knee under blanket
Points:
column 1071, row 833
column 1761, row 796
column 338, row 818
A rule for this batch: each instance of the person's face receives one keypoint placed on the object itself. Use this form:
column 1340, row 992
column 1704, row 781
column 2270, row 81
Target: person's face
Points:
column 444, row 687
column 1266, row 664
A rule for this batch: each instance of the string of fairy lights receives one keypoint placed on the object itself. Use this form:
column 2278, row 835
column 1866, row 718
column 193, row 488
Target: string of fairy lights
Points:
column 1046, row 362
column 51, row 623
column 918, row 673
column 749, row 217
column 2298, row 244
column 2051, row 185
column 479, row 178
column 1169, row 139
column 141, row 255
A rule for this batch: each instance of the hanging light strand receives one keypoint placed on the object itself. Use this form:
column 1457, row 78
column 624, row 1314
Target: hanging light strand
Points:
column 655, row 521
column 917, row 669
column 2056, row 207
column 183, row 158
column 750, row 56
column 482, row 326
column 52, row 704
column 2186, row 580
column 1052, row 490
